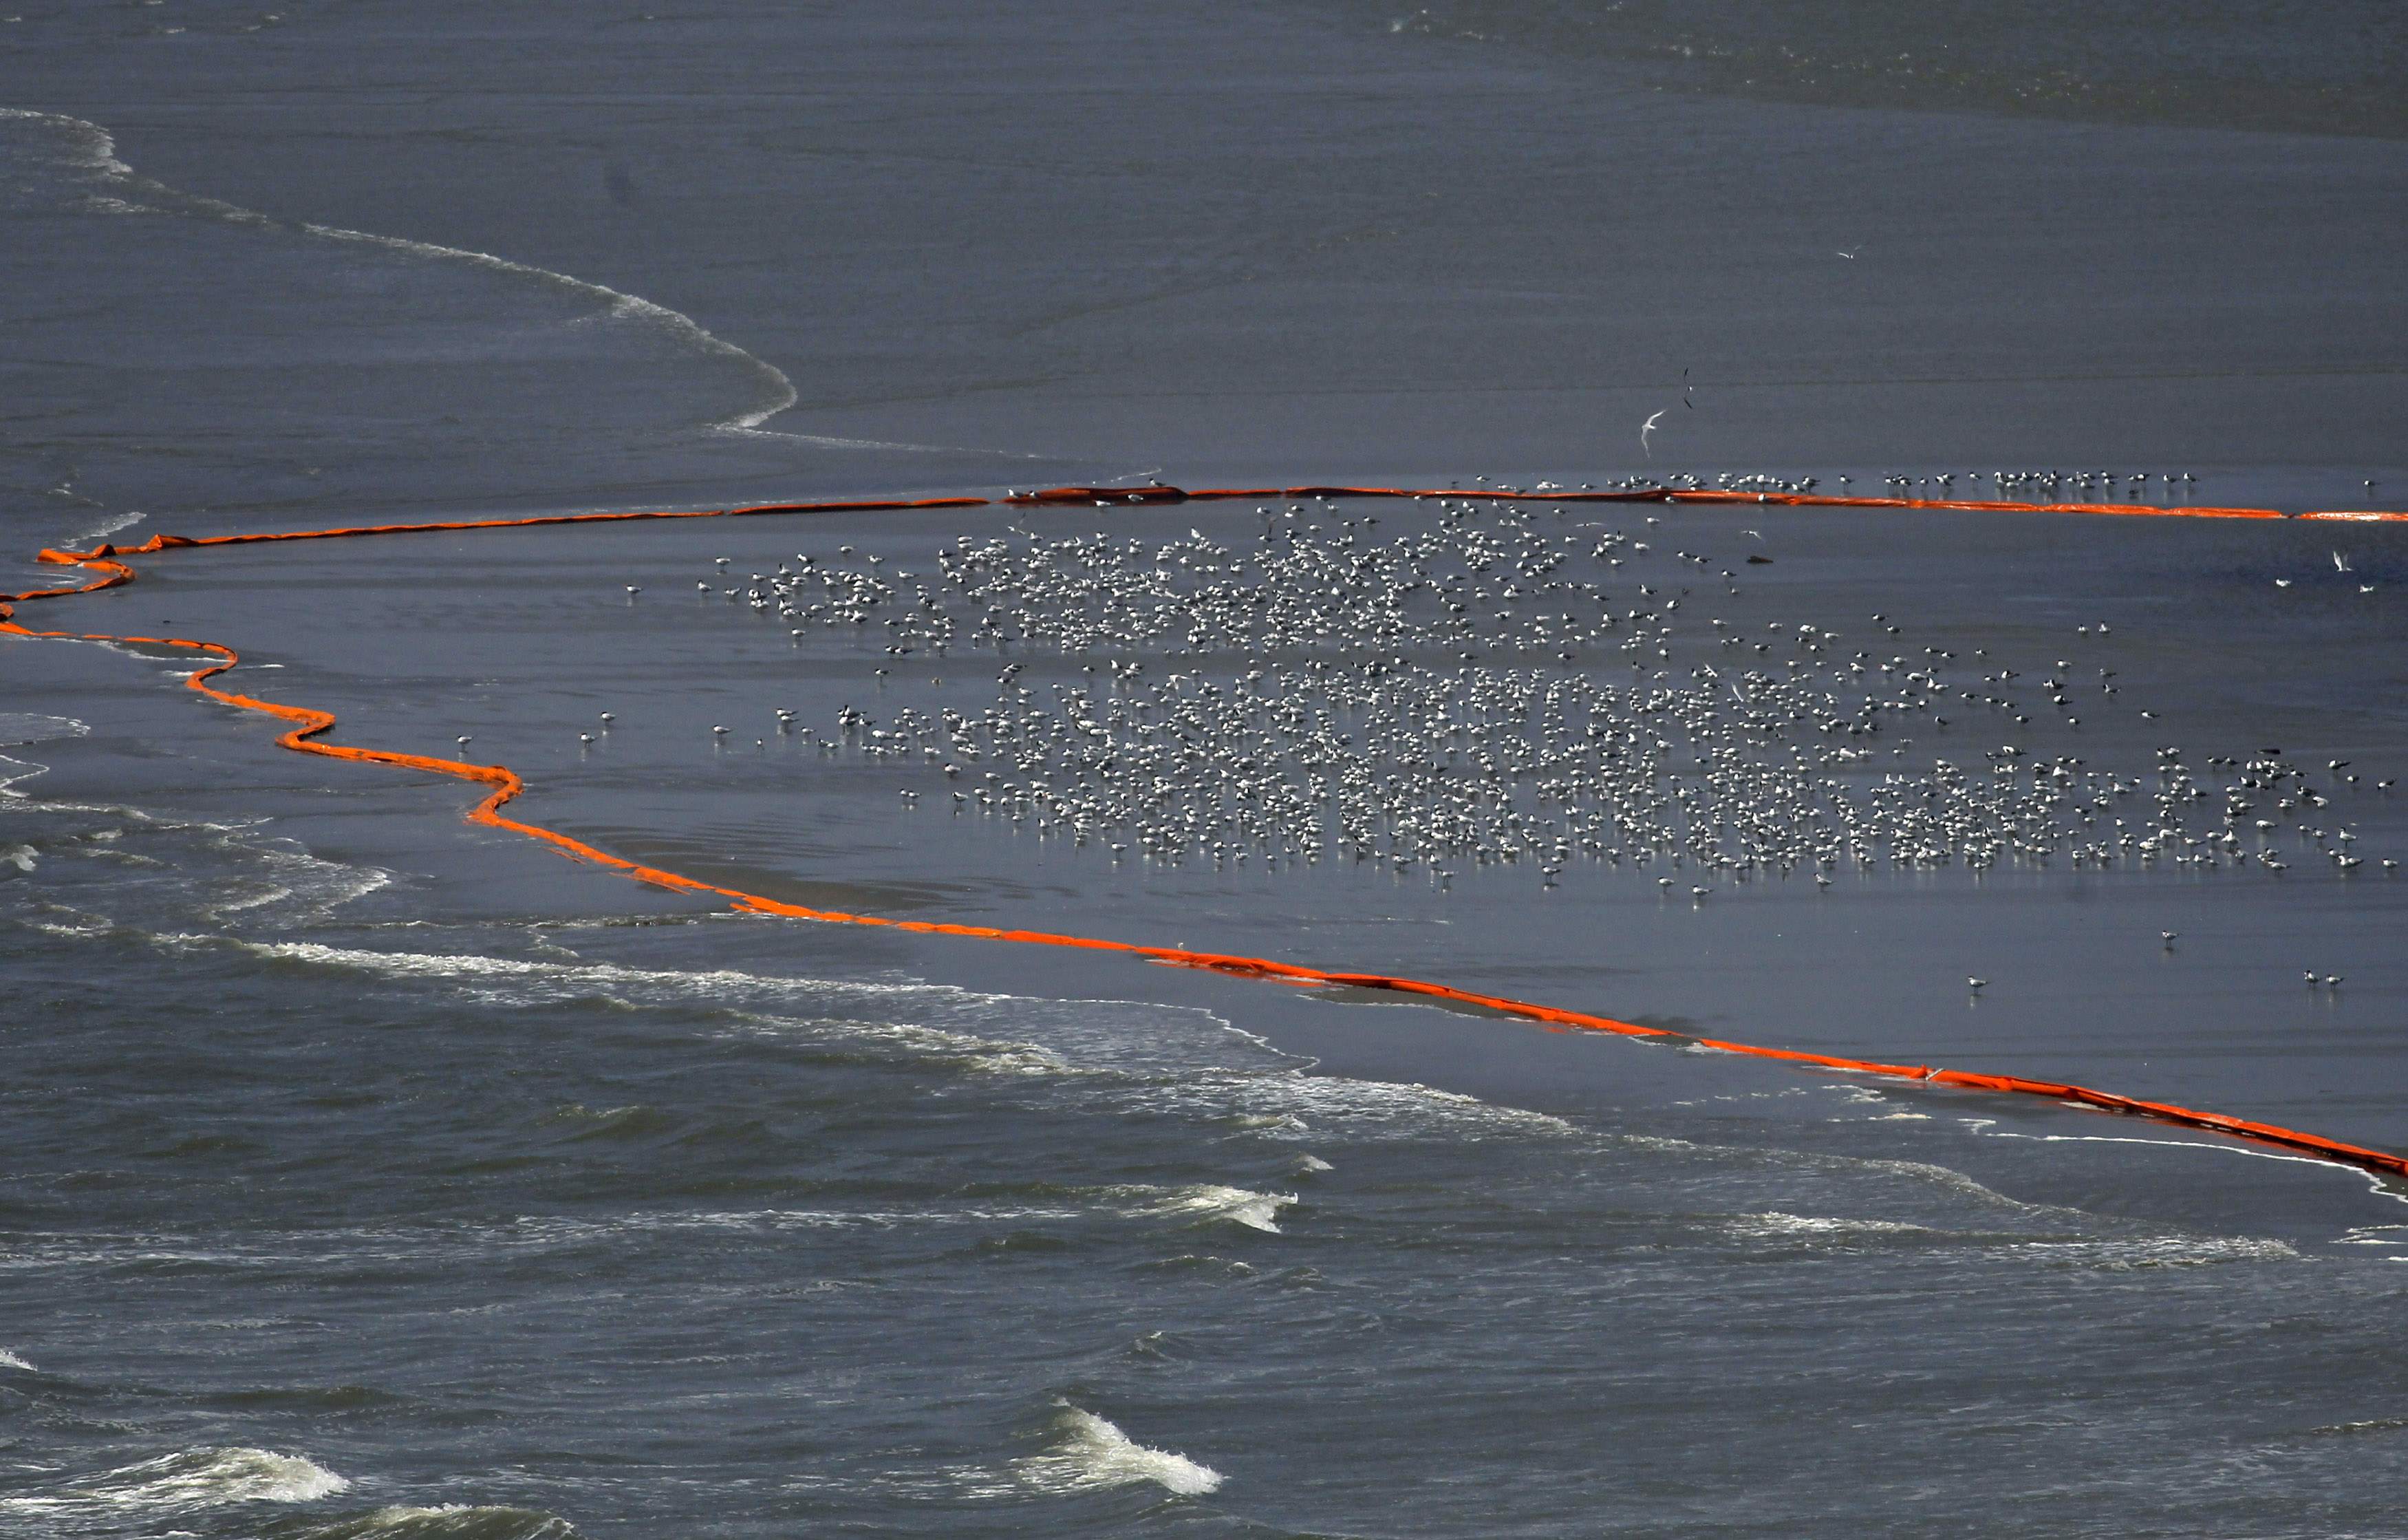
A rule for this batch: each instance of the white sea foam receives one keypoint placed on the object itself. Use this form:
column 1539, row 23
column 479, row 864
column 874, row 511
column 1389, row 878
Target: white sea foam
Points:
column 712, row 983
column 1047, row 1036
column 1089, row 1454
column 1206, row 1202
column 191, row 1481
column 1139, row 1056
column 778, row 390
column 1774, row 1224
column 29, row 803
column 433, row 1244
column 2380, row 1184
column 544, row 979
column 73, row 922
column 94, row 533
column 306, row 886
column 445, row 1520
column 88, row 150
column 2109, row 1254
column 10, row 1360
column 1918, row 1172
column 1299, row 1105
column 210, row 1477
column 297, row 886
column 14, row 770
column 1196, row 1203
column 547, row 1230
column 85, row 146
column 993, row 1056
column 256, row 899
column 1272, row 1123
column 2158, row 1251
column 35, row 727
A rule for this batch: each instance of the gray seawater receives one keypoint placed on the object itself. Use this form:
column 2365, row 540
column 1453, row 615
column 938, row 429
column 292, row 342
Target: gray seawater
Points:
column 368, row 1175
column 2316, row 67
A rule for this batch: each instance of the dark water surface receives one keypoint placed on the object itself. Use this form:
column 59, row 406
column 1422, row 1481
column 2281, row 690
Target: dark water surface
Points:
column 371, row 1174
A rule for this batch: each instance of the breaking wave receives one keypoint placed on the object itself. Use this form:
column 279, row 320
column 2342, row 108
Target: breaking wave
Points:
column 1206, row 1203
column 1090, row 1454
column 447, row 1521
column 189, row 1481
column 1146, row 1057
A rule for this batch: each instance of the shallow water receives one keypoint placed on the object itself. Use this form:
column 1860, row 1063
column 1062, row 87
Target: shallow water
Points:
column 548, row 1217
column 375, row 1175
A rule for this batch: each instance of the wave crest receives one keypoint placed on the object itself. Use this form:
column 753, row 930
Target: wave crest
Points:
column 449, row 1521
column 1209, row 1204
column 186, row 1481
column 1090, row 1454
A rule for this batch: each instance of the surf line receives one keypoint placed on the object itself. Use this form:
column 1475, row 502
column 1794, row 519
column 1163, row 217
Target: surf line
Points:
column 111, row 570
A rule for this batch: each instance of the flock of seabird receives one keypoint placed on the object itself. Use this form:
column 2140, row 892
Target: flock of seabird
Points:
column 1494, row 686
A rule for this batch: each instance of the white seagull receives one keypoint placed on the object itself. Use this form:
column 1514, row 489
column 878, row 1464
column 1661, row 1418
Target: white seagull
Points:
column 1644, row 429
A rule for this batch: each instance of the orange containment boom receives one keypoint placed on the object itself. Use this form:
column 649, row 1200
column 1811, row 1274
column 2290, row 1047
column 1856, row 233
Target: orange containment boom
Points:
column 309, row 723
column 1106, row 496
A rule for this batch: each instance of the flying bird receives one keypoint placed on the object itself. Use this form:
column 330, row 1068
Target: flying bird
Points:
column 1644, row 429
column 2340, row 565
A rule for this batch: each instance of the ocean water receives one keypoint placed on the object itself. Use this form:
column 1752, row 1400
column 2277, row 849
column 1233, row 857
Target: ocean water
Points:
column 334, row 1214
column 2316, row 67
column 372, row 1174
